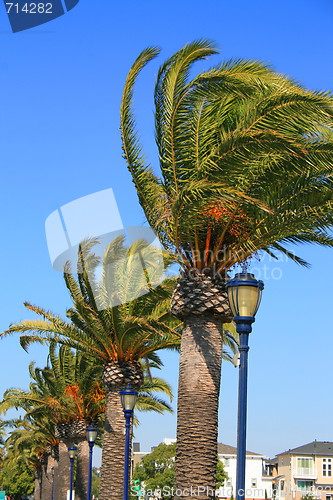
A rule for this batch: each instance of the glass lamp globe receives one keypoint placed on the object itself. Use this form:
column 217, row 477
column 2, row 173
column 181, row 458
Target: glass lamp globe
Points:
column 72, row 451
column 128, row 398
column 244, row 293
column 91, row 433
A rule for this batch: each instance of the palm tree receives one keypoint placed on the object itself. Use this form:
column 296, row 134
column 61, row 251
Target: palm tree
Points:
column 27, row 444
column 69, row 396
column 245, row 157
column 39, row 437
column 54, row 409
column 119, row 320
column 76, row 401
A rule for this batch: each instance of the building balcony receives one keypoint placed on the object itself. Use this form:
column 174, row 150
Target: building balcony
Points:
column 305, row 473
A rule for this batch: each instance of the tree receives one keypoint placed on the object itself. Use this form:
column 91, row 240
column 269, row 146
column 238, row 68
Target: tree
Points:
column 17, row 475
column 69, row 395
column 157, row 471
column 33, row 440
column 61, row 395
column 118, row 320
column 245, row 162
column 2, row 435
column 307, row 496
column 221, row 475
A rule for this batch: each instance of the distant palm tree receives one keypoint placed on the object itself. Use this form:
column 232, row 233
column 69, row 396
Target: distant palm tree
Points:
column 27, row 446
column 67, row 394
column 245, row 166
column 118, row 320
column 53, row 410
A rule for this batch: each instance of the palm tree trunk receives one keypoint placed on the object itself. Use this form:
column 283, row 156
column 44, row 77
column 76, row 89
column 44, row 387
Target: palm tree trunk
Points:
column 62, row 473
column 37, row 484
column 197, row 418
column 81, row 483
column 47, row 478
column 112, row 472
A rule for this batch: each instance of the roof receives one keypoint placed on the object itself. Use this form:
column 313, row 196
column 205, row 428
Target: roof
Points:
column 272, row 461
column 314, row 448
column 226, row 449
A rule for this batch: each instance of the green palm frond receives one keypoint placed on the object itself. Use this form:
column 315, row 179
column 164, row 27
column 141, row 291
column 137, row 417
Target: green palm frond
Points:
column 148, row 400
column 145, row 182
column 245, row 156
column 67, row 390
column 121, row 320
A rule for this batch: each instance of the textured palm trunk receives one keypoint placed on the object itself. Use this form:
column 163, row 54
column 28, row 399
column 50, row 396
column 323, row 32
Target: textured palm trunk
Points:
column 62, row 473
column 112, row 471
column 198, row 396
column 37, row 484
column 81, row 483
column 47, row 478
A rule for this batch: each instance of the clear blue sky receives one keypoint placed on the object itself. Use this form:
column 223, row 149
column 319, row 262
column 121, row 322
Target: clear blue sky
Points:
column 61, row 89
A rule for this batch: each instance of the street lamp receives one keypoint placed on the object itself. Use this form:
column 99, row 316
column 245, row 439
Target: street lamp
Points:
column 72, row 451
column 52, row 492
column 128, row 400
column 91, row 433
column 244, row 293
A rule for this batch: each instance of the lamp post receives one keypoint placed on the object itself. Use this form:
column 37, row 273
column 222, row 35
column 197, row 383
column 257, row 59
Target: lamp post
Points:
column 244, row 293
column 52, row 491
column 128, row 400
column 91, row 438
column 72, row 451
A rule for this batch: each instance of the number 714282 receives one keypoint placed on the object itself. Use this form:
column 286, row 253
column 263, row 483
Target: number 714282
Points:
column 29, row 8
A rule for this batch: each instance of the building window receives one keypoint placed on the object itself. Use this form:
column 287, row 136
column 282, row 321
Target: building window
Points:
column 327, row 467
column 305, row 463
column 282, row 485
column 304, row 485
column 253, row 483
column 226, row 462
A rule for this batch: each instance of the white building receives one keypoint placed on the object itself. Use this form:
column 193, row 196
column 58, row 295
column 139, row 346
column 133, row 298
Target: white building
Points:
column 258, row 485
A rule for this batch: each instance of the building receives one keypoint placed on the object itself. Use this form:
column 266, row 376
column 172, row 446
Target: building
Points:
column 258, row 484
column 306, row 470
column 137, row 454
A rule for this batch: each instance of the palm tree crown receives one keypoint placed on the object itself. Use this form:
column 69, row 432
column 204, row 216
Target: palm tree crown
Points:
column 67, row 391
column 131, row 329
column 245, row 159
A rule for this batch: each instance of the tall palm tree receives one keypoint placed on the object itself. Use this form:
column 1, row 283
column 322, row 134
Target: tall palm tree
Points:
column 245, row 162
column 120, row 319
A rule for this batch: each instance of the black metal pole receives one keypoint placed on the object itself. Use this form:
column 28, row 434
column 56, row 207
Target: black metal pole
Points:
column 91, row 446
column 242, row 413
